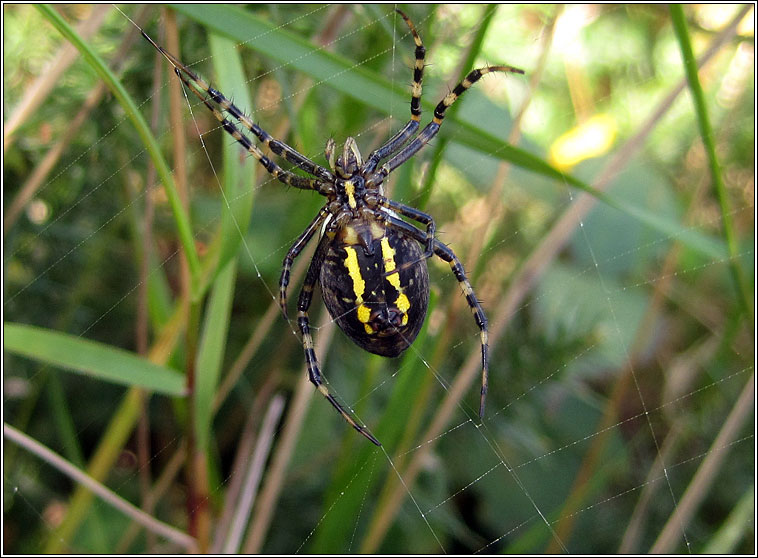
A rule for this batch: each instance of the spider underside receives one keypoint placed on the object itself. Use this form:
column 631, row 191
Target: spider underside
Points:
column 370, row 263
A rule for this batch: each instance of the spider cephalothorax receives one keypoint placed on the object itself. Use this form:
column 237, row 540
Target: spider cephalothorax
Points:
column 370, row 262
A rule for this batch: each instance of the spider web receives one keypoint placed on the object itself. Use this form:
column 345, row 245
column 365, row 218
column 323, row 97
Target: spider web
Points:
column 514, row 482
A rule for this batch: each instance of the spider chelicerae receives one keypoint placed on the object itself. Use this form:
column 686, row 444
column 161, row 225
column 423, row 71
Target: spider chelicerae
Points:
column 370, row 263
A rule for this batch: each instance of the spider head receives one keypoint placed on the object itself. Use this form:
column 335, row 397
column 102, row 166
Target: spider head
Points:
column 347, row 164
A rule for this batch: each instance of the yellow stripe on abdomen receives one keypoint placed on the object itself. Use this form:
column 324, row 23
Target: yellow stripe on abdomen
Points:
column 359, row 287
column 354, row 269
column 388, row 255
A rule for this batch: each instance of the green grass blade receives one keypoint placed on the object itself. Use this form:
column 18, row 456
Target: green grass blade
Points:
column 440, row 146
column 343, row 75
column 180, row 216
column 377, row 92
column 238, row 180
column 706, row 132
column 297, row 53
column 211, row 351
column 100, row 361
column 160, row 305
column 237, row 184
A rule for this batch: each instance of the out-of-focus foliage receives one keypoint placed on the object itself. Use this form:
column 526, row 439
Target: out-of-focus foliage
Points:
column 620, row 340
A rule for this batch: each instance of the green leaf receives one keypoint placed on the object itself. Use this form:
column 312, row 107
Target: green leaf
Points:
column 211, row 352
column 91, row 358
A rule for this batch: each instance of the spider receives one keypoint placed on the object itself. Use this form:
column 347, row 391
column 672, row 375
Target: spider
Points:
column 369, row 262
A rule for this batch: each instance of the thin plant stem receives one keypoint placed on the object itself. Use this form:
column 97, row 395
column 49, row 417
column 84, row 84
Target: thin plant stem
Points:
column 706, row 132
column 116, row 501
column 706, row 473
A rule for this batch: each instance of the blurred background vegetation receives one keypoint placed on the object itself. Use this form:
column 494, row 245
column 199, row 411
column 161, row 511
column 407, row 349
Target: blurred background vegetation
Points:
column 612, row 247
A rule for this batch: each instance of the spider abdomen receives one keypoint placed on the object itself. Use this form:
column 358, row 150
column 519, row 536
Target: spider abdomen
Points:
column 382, row 313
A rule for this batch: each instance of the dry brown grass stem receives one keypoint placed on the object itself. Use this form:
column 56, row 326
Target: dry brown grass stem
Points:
column 254, row 473
column 686, row 371
column 245, row 444
column 142, row 319
column 293, row 424
column 699, row 487
column 83, row 479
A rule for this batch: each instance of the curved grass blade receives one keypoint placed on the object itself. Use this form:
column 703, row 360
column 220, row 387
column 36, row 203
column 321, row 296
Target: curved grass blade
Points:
column 181, row 218
column 101, row 361
column 378, row 93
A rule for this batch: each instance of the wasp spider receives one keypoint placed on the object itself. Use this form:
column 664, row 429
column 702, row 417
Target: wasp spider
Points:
column 370, row 263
